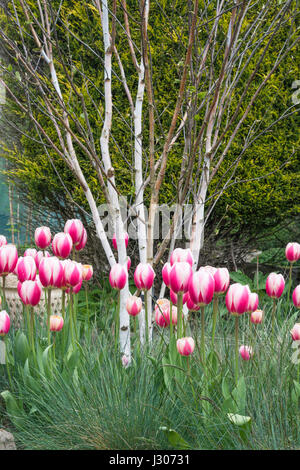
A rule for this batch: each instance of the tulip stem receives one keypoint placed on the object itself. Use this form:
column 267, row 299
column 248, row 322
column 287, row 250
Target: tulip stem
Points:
column 48, row 315
column 146, row 317
column 7, row 363
column 290, row 282
column 273, row 320
column 3, row 290
column 32, row 333
column 63, row 309
column 171, row 320
column 87, row 305
column 215, row 317
column 236, row 349
column 179, row 314
column 117, row 321
column 202, row 347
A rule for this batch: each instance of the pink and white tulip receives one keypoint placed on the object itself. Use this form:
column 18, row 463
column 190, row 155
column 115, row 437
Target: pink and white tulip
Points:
column 253, row 302
column 144, row 276
column 275, row 285
column 75, row 289
column 51, row 272
column 26, row 269
column 222, row 279
column 114, row 240
column 87, row 272
column 162, row 313
column 134, row 305
column 72, row 273
column 185, row 346
column 42, row 237
column 82, row 242
column 128, row 263
column 296, row 296
column 257, row 317
column 3, row 240
column 246, row 352
column 295, row 332
column 201, row 287
column 30, row 252
column 62, row 245
column 118, row 276
column 182, row 255
column 237, row 299
column 75, row 228
column 4, row 323
column 8, row 259
column 56, row 322
column 191, row 305
column 174, row 297
column 39, row 256
column 166, row 274
column 292, row 252
column 180, row 275
column 30, row 292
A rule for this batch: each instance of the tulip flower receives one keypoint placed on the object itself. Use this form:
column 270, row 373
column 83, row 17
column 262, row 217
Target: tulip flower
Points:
column 185, row 346
column 201, row 287
column 256, row 317
column 296, row 296
column 118, row 276
column 30, row 252
column 134, row 305
column 292, row 252
column 180, row 275
column 182, row 255
column 114, row 240
column 87, row 272
column 82, row 242
column 72, row 273
column 42, row 237
column 26, row 269
column 30, row 292
column 246, row 352
column 62, row 245
column 275, row 285
column 75, row 228
column 191, row 305
column 295, row 332
column 51, row 272
column 56, row 322
column 144, row 276
column 253, row 302
column 125, row 360
column 237, row 299
column 3, row 240
column 166, row 274
column 8, row 259
column 75, row 289
column 222, row 279
column 4, row 323
column 210, row 269
column 128, row 263
column 39, row 256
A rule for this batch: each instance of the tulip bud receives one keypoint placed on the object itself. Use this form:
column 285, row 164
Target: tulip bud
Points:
column 182, row 255
column 72, row 273
column 296, row 296
column 62, row 245
column 185, row 346
column 8, row 259
column 56, row 322
column 144, row 276
column 134, row 305
column 257, row 317
column 82, row 242
column 118, row 276
column 30, row 292
column 166, row 274
column 292, row 252
column 26, row 269
column 237, row 299
column 75, row 289
column 222, row 279
column 30, row 252
column 4, row 323
column 87, row 272
column 201, row 287
column 114, row 240
column 275, row 285
column 75, row 228
column 246, row 352
column 253, row 302
column 39, row 256
column 180, row 275
column 51, row 272
column 42, row 237
column 295, row 332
